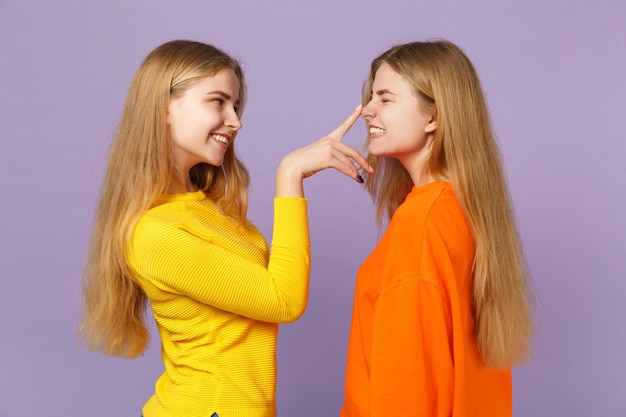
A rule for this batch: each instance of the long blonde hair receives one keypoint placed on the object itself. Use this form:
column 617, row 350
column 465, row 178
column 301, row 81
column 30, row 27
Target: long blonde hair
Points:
column 140, row 169
column 464, row 153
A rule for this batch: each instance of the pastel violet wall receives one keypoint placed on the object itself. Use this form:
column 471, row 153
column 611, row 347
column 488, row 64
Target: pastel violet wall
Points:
column 553, row 72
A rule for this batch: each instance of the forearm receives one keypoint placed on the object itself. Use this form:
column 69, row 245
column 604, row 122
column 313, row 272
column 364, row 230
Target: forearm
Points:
column 290, row 256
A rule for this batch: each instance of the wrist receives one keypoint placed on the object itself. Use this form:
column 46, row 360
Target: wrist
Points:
column 288, row 180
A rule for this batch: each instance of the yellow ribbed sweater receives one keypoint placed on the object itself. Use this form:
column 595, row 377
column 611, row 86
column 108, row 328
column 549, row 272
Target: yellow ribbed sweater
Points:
column 217, row 295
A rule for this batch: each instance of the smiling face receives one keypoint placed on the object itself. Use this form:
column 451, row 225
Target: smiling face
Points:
column 398, row 126
column 204, row 121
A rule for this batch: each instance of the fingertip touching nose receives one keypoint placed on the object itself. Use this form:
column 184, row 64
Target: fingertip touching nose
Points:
column 367, row 112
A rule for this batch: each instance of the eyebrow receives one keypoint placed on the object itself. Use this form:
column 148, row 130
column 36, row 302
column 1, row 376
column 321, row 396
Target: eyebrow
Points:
column 384, row 91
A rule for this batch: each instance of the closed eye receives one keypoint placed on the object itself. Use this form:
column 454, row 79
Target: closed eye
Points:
column 385, row 95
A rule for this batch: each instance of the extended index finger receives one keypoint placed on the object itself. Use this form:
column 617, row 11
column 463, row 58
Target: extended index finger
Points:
column 343, row 128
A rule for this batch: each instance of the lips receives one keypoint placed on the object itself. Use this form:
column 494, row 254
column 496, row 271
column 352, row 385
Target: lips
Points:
column 376, row 131
column 221, row 138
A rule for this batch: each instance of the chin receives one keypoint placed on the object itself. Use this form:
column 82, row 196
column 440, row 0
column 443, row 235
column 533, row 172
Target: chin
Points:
column 372, row 151
column 215, row 163
column 376, row 152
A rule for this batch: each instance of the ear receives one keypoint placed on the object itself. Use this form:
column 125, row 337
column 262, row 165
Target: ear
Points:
column 431, row 126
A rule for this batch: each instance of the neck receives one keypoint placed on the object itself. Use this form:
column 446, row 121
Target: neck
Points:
column 417, row 163
column 181, row 183
column 418, row 171
column 422, row 178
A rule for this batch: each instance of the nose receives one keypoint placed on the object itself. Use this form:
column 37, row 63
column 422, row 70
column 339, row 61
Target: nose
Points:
column 368, row 111
column 233, row 121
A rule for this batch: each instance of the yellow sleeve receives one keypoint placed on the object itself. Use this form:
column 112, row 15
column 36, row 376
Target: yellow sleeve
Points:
column 181, row 262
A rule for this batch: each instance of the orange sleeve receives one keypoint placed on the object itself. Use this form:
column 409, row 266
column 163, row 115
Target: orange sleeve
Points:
column 412, row 370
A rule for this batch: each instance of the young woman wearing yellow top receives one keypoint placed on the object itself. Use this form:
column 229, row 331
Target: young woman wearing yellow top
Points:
column 171, row 229
column 442, row 305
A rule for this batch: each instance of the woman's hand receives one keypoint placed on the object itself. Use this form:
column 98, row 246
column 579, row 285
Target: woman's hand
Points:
column 327, row 152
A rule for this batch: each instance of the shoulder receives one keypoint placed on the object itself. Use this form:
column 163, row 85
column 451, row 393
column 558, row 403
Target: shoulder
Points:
column 427, row 211
column 161, row 222
column 434, row 202
column 155, row 222
column 432, row 219
column 154, row 231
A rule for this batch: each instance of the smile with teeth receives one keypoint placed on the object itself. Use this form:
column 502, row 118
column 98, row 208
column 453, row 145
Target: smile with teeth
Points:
column 220, row 138
column 377, row 131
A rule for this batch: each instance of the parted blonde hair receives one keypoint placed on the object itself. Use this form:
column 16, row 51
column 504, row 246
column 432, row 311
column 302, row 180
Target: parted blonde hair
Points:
column 466, row 154
column 140, row 168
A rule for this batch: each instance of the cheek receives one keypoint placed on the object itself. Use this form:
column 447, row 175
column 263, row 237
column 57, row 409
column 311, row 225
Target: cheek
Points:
column 408, row 123
column 182, row 132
